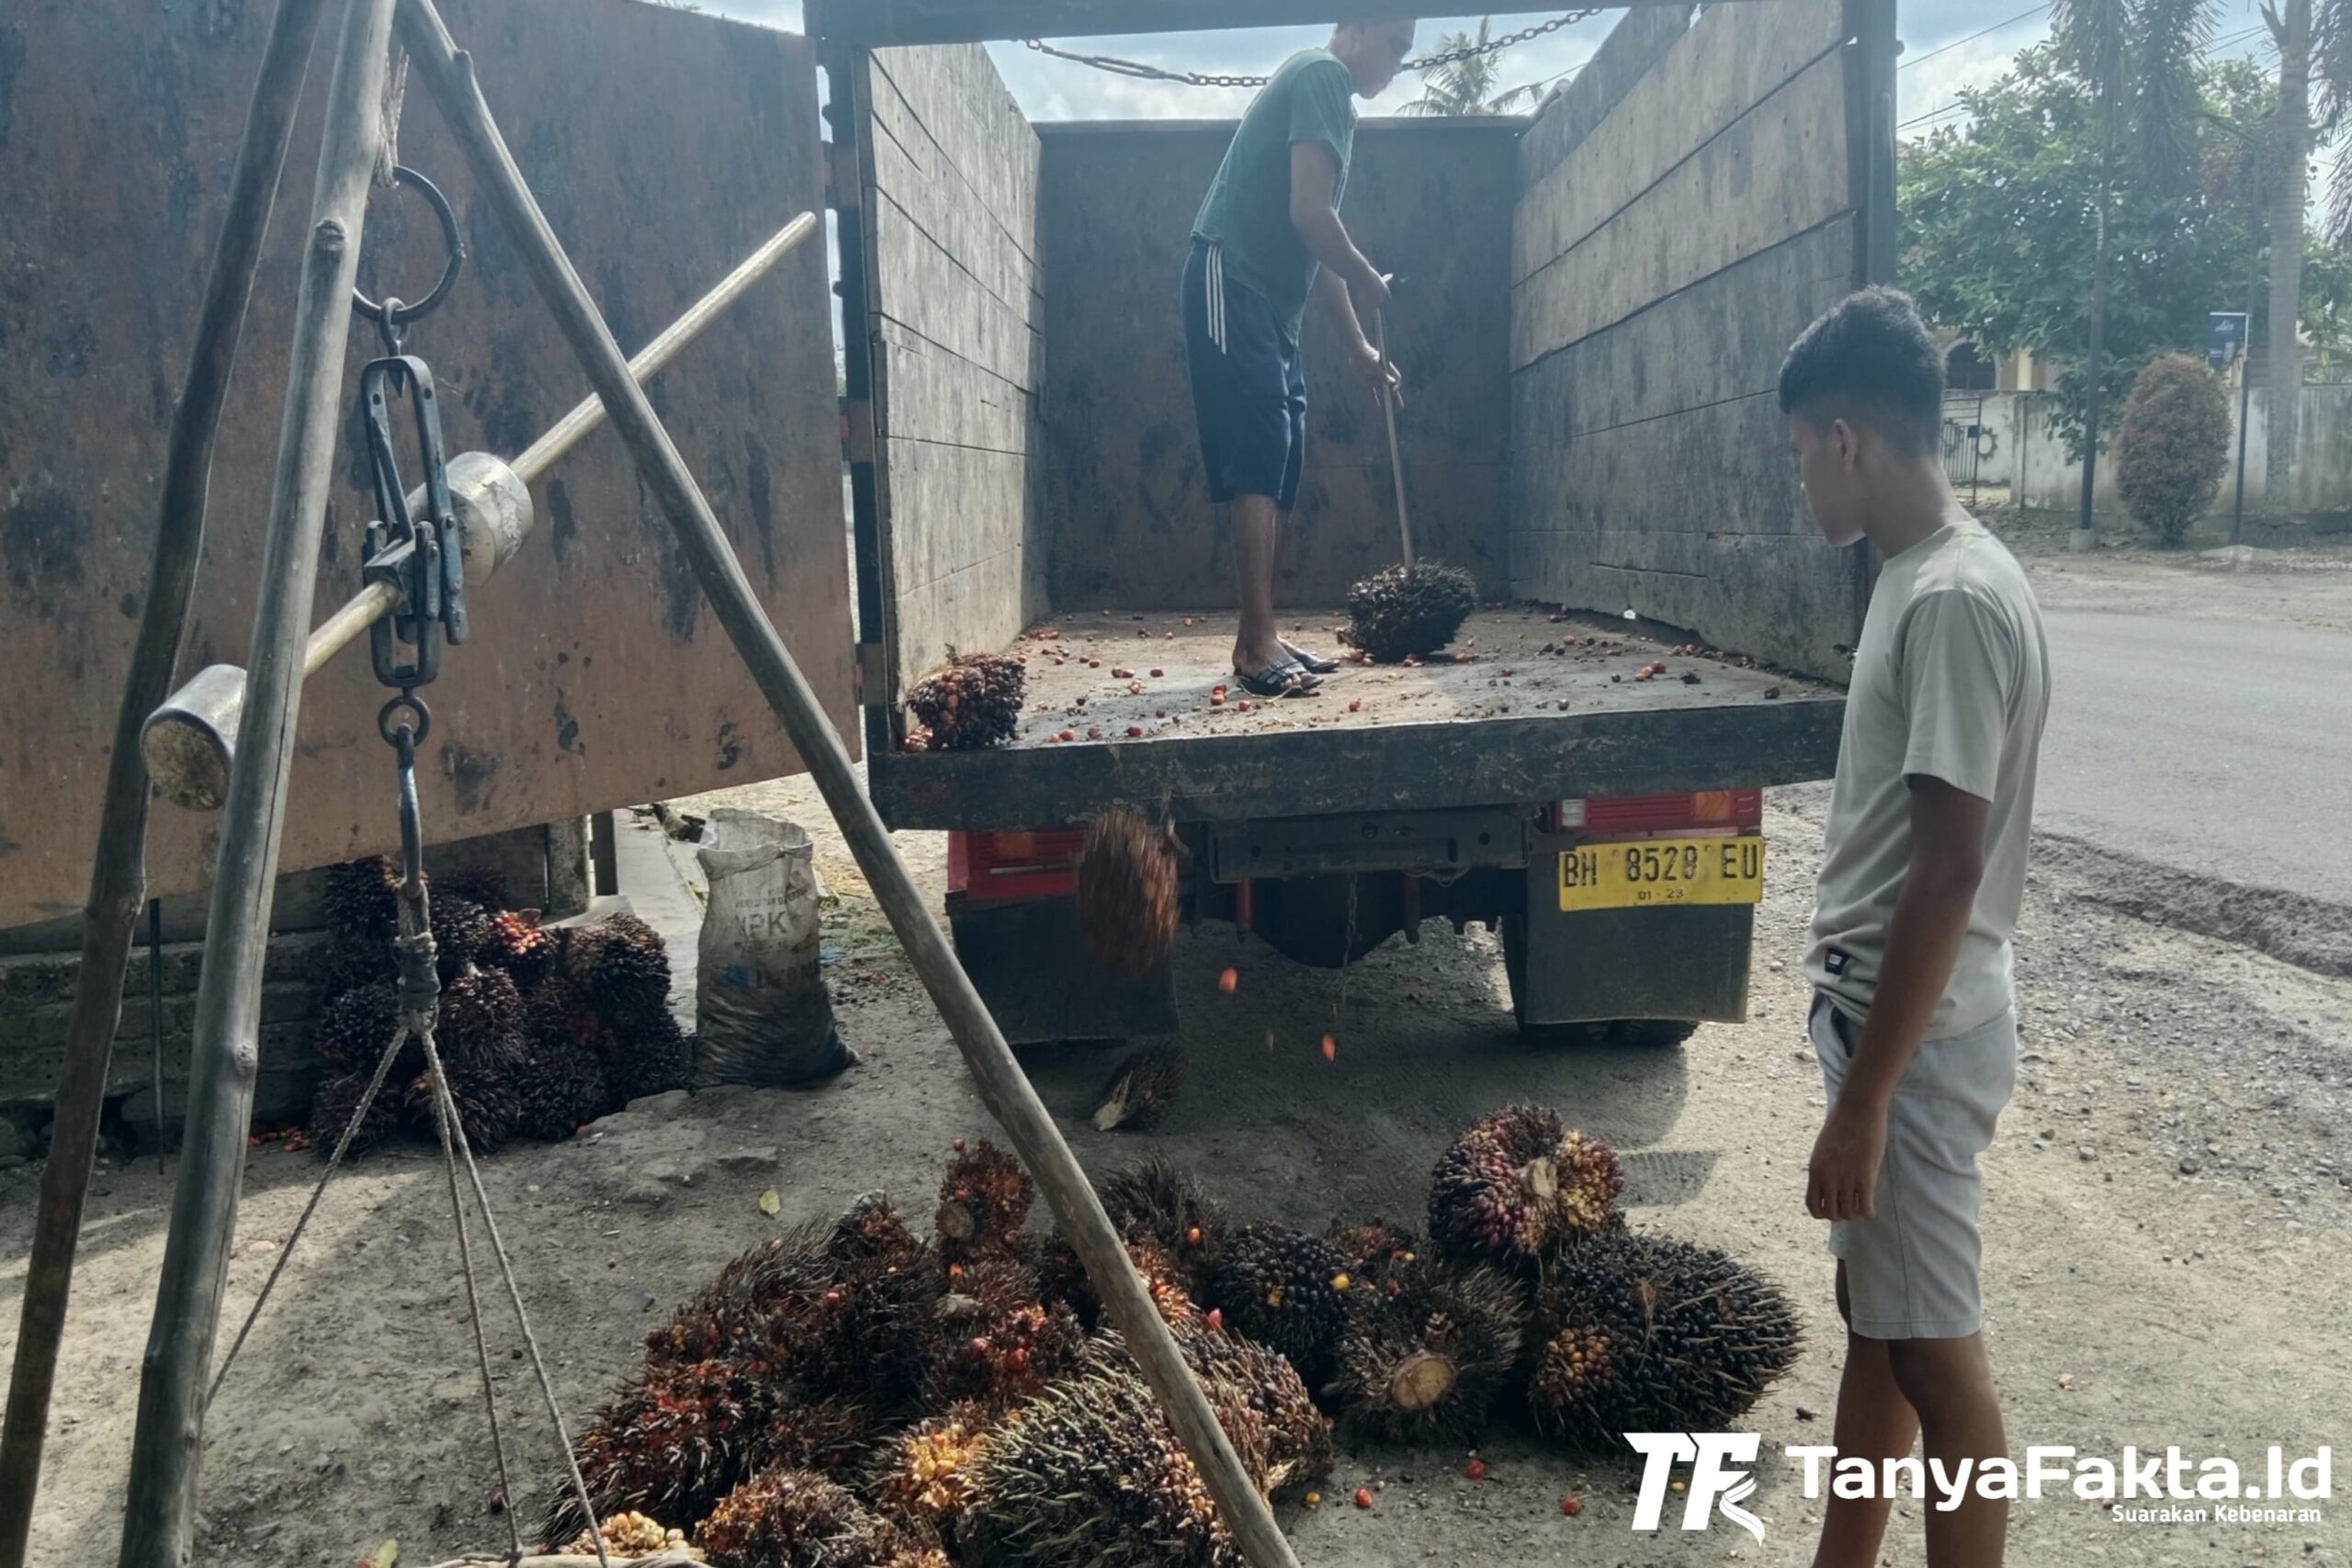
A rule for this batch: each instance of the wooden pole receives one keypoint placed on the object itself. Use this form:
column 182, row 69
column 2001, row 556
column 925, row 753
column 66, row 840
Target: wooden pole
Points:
column 448, row 73
column 1395, row 453
column 119, row 864
column 159, row 1518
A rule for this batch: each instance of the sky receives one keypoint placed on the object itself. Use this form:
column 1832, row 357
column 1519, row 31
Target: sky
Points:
column 1941, row 55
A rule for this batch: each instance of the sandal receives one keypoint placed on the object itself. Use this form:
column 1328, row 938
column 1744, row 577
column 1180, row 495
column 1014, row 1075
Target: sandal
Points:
column 1281, row 680
column 1313, row 663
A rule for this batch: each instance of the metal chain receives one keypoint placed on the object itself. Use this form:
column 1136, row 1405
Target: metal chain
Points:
column 1136, row 69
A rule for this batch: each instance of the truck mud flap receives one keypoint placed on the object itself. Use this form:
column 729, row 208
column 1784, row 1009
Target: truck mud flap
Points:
column 1597, row 965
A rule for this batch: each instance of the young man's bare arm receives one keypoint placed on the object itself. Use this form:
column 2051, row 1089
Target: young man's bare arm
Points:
column 1314, row 213
column 1931, row 916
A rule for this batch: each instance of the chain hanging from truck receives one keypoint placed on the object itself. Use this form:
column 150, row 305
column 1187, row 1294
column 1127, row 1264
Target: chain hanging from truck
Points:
column 1118, row 67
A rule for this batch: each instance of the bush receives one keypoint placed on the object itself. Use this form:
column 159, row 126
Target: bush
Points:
column 2175, row 447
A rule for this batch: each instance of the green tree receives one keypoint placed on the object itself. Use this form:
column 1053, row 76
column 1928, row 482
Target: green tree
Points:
column 1468, row 86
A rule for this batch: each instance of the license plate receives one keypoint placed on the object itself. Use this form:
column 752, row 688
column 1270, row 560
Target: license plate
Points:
column 1662, row 872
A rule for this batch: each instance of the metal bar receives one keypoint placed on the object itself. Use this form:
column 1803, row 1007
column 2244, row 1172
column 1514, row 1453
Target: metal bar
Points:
column 156, row 1020
column 159, row 1517
column 1008, row 1094
column 119, row 864
column 881, row 23
column 604, row 854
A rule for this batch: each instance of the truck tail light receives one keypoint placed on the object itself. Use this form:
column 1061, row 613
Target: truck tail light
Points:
column 1018, row 864
column 1633, row 815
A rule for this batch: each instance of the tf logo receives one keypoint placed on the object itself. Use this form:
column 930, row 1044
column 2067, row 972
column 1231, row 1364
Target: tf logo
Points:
column 1713, row 1484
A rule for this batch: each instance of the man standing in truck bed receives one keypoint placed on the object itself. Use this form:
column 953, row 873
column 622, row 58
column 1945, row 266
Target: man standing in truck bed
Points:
column 1268, row 236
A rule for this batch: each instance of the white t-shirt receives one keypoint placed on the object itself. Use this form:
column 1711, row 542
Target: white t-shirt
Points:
column 1951, row 682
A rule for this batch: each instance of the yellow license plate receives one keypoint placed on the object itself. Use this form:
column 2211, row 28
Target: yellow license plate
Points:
column 1662, row 872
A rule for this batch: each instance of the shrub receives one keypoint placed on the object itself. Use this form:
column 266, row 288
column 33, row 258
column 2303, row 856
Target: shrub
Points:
column 2175, row 447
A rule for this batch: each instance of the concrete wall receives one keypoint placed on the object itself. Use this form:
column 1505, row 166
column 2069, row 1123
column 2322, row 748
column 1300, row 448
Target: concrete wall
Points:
column 2018, row 448
column 956, row 289
column 1128, row 509
column 1688, row 206
column 664, row 146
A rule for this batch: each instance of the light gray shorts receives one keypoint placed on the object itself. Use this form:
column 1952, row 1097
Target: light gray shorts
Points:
column 1915, row 1271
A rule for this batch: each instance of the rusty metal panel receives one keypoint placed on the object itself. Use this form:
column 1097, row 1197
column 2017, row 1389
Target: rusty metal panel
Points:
column 1129, row 518
column 665, row 146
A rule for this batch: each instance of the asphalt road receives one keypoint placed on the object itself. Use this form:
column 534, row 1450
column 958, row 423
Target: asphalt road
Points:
column 2218, row 748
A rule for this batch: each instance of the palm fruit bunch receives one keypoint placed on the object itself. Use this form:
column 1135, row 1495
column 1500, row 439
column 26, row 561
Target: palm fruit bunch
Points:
column 1260, row 1398
column 345, row 963
column 1382, row 1259
column 334, row 1100
column 1636, row 1333
column 992, row 1342
column 648, row 1054
column 557, row 1009
column 626, row 1536
column 973, row 703
column 872, row 1227
column 1426, row 1360
column 489, row 1106
column 1129, row 896
column 518, row 944
column 1159, row 1201
column 354, row 1030
column 1140, row 1089
column 460, row 929
column 1093, row 1476
column 622, row 964
column 362, row 899
column 1403, row 610
column 482, row 884
column 1286, row 1290
column 671, row 1445
column 983, row 1202
column 1061, row 1281
column 1520, row 1184
column 792, row 1518
column 481, row 1027
column 924, row 1474
column 560, row 1088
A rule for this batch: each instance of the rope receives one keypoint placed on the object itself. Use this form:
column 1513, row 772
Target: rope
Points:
column 445, row 1117
column 285, row 1253
column 1136, row 69
column 446, row 1110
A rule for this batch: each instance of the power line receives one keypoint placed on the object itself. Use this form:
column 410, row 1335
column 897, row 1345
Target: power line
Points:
column 1972, row 38
column 1957, row 104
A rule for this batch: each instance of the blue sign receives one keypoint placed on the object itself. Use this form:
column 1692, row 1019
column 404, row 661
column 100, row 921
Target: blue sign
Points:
column 2224, row 339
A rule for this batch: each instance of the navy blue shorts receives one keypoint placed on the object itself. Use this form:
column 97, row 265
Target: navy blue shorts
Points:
column 1249, row 389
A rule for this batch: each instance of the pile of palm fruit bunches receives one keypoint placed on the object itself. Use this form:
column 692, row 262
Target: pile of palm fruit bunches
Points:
column 540, row 1030
column 852, row 1395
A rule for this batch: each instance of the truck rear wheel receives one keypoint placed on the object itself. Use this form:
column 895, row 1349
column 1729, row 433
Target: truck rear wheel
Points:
column 1658, row 1033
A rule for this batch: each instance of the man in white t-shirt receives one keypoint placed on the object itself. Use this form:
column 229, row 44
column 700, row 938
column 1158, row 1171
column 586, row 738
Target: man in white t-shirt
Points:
column 1914, row 1018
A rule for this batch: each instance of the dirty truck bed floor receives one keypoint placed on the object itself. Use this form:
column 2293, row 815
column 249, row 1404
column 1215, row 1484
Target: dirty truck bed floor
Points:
column 1524, row 707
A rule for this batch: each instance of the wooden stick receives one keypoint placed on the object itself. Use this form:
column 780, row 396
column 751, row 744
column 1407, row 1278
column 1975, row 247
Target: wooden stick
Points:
column 449, row 75
column 118, row 865
column 662, row 1560
column 159, row 1519
column 1395, row 453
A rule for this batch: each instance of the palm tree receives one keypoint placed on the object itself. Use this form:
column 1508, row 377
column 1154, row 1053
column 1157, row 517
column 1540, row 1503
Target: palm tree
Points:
column 1466, row 86
column 2139, row 57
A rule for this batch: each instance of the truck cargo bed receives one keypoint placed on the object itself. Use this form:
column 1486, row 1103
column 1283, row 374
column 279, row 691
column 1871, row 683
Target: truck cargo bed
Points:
column 1529, row 707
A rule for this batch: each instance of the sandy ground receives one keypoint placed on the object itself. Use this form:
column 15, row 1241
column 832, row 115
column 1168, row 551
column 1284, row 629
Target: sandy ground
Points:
column 2166, row 1239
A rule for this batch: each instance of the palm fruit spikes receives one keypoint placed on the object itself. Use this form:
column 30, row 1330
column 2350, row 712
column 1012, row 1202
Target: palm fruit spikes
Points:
column 1637, row 1333
column 1141, row 1089
column 1519, row 1184
column 481, row 1028
column 460, row 929
column 646, row 1054
column 355, row 1029
column 1403, row 610
column 488, row 1106
column 1286, row 1288
column 671, row 1445
column 332, row 1106
column 992, row 1342
column 1129, row 898
column 1428, row 1362
column 560, row 1088
column 792, row 1518
column 924, row 1473
column 1381, row 1258
column 362, row 899
column 983, row 1202
column 626, row 1536
column 1160, row 1201
column 973, row 703
column 623, row 966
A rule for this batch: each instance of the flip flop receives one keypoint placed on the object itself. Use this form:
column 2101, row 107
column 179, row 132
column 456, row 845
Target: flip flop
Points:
column 1313, row 663
column 1281, row 680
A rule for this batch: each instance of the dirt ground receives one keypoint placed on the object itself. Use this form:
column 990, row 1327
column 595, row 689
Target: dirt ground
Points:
column 2167, row 1227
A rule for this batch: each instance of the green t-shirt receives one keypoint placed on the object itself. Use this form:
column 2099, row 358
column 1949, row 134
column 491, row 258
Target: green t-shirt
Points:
column 1311, row 98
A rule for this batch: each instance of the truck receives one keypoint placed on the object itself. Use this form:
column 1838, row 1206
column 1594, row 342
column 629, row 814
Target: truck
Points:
column 1593, row 308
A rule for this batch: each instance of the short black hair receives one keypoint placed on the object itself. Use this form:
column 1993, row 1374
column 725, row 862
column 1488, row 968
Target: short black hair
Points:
column 1870, row 359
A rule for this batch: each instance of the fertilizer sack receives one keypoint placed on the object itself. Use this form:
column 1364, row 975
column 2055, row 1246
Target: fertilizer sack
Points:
column 762, row 1014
